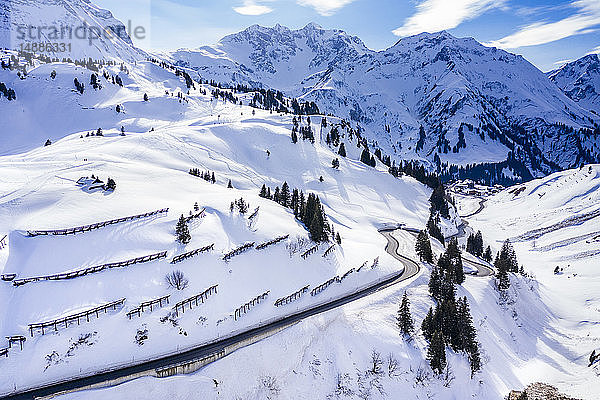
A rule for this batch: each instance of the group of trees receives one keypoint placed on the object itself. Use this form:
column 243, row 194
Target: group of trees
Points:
column 305, row 132
column 367, row 158
column 307, row 209
column 450, row 323
column 439, row 208
column 241, row 205
column 475, row 246
column 7, row 92
column 505, row 262
column 79, row 86
column 207, row 176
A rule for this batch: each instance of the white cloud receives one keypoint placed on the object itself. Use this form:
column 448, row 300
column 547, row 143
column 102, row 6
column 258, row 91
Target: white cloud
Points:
column 437, row 15
column 585, row 20
column 251, row 7
column 325, row 7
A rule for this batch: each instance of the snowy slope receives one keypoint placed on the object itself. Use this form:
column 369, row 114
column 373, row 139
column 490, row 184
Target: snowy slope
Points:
column 39, row 191
column 65, row 21
column 580, row 80
column 432, row 80
column 544, row 332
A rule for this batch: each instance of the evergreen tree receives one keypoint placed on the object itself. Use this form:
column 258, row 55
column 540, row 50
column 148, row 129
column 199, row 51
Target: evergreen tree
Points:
column 428, row 325
column 145, row 96
column 48, row 142
column 467, row 335
column 423, row 247
column 295, row 202
column 438, row 201
column 335, row 163
column 212, row 178
column 338, row 238
column 487, row 255
column 182, row 231
column 435, row 283
column 434, row 230
column 294, row 134
column 405, row 321
column 455, row 259
column 436, row 353
column 317, row 228
column 284, row 196
column 263, row 192
column 230, row 185
column 507, row 259
column 342, row 150
column 122, row 131
column 365, row 157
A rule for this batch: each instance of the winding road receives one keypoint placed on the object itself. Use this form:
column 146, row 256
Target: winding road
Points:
column 410, row 270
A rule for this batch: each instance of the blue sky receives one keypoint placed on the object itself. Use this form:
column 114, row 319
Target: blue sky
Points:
column 545, row 32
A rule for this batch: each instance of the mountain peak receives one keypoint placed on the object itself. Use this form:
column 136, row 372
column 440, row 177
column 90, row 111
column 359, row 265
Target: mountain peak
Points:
column 312, row 26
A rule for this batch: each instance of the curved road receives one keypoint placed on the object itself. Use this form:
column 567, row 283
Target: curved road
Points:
column 411, row 269
column 483, row 270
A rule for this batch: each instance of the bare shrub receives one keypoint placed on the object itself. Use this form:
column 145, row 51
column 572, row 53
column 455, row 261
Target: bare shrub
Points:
column 393, row 366
column 177, row 280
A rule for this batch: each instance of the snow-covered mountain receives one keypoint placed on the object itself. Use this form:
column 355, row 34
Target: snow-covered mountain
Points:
column 85, row 29
column 476, row 104
column 580, row 80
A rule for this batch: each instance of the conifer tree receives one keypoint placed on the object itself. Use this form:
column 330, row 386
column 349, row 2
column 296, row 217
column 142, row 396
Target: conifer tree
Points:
column 342, row 150
column 434, row 230
column 487, row 255
column 230, row 185
column 404, row 319
column 436, row 353
column 145, row 96
column 263, row 191
column 423, row 247
column 284, row 196
column 338, row 238
column 182, row 231
column 428, row 325
column 435, row 283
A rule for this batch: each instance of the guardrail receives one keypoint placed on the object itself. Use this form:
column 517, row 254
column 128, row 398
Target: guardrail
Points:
column 75, row 317
column 192, row 253
column 200, row 214
column 238, row 251
column 90, row 270
column 271, row 242
column 148, row 304
column 91, row 227
column 194, row 299
column 117, row 366
column 292, row 297
column 246, row 307
column 329, row 250
column 309, row 252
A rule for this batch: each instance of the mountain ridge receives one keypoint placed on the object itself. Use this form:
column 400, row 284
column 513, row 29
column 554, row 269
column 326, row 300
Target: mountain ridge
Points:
column 430, row 80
